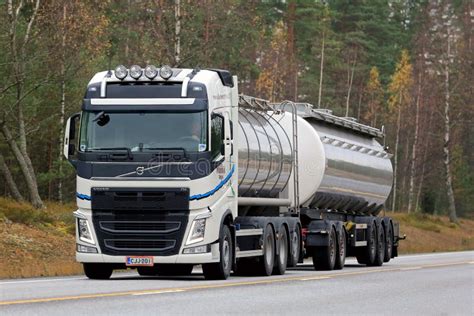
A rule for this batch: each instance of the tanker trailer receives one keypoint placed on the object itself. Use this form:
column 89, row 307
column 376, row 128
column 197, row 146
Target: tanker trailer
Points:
column 343, row 177
column 176, row 169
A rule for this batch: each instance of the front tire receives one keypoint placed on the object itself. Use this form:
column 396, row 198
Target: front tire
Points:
column 221, row 270
column 97, row 271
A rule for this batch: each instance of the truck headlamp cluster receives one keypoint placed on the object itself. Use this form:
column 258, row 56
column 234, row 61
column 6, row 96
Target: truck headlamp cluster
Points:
column 151, row 72
column 121, row 72
column 84, row 231
column 197, row 231
column 136, row 72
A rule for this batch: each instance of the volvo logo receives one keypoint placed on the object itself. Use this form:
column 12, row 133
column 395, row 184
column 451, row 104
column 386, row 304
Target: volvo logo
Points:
column 140, row 170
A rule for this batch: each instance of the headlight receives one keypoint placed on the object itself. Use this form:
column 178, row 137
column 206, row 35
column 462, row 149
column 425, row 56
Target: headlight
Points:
column 197, row 231
column 166, row 72
column 121, row 72
column 136, row 72
column 151, row 72
column 84, row 231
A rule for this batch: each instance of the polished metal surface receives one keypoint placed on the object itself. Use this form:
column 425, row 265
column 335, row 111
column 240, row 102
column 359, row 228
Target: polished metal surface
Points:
column 265, row 156
column 358, row 175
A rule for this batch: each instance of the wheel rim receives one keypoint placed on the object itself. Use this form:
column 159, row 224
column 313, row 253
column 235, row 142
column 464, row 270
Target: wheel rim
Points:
column 389, row 243
column 332, row 248
column 226, row 253
column 268, row 249
column 342, row 245
column 283, row 250
column 373, row 242
column 294, row 245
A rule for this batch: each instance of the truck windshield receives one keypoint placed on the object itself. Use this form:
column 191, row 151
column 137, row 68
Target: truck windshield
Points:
column 144, row 131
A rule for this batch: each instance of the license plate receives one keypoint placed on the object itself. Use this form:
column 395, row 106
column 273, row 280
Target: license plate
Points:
column 139, row 261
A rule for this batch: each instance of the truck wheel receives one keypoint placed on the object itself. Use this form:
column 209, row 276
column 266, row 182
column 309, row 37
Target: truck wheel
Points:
column 380, row 254
column 266, row 262
column 174, row 269
column 221, row 270
column 294, row 256
column 366, row 255
column 388, row 243
column 282, row 257
column 324, row 258
column 97, row 271
column 341, row 249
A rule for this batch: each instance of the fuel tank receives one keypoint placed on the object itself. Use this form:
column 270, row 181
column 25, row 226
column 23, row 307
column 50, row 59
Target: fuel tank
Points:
column 339, row 168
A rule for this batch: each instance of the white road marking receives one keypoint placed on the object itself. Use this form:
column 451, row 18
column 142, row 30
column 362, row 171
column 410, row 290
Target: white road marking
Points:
column 158, row 292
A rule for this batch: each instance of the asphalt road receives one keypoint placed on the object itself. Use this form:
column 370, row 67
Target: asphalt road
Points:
column 435, row 284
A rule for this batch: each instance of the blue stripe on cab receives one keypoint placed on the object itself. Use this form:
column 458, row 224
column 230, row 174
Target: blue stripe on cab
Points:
column 83, row 196
column 220, row 185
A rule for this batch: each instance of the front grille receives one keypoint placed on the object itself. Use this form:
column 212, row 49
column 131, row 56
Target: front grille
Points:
column 137, row 221
column 132, row 227
column 140, row 244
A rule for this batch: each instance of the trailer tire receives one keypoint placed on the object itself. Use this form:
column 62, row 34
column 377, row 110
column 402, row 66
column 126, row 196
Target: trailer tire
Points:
column 221, row 270
column 281, row 259
column 380, row 253
column 97, row 271
column 388, row 243
column 341, row 249
column 267, row 261
column 295, row 242
column 324, row 258
column 366, row 255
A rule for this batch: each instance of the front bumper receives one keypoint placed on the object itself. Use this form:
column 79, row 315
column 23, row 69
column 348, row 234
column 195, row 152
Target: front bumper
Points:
column 200, row 258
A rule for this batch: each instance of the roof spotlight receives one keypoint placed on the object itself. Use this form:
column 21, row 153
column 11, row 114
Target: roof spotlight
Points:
column 151, row 71
column 136, row 72
column 121, row 72
column 166, row 72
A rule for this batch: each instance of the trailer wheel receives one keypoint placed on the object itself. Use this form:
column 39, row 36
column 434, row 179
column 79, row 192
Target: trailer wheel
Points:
column 388, row 243
column 97, row 271
column 324, row 258
column 221, row 270
column 294, row 256
column 267, row 261
column 380, row 254
column 282, row 257
column 341, row 249
column 366, row 255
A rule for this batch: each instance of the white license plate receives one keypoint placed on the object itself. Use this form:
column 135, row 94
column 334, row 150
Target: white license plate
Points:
column 139, row 261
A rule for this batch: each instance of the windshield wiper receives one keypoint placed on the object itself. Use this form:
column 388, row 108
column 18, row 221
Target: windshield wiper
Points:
column 129, row 152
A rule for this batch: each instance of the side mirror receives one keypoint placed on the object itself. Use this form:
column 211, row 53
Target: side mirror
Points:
column 70, row 134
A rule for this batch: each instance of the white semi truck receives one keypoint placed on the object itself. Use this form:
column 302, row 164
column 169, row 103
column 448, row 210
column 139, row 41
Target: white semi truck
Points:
column 176, row 169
